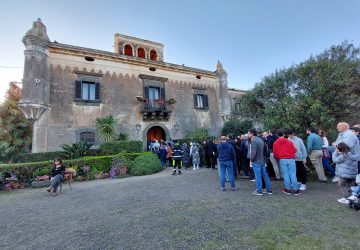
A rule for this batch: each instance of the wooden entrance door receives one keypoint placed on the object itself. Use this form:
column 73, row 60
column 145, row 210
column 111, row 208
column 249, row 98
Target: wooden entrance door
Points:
column 156, row 132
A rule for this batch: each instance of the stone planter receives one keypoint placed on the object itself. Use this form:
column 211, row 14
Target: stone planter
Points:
column 39, row 184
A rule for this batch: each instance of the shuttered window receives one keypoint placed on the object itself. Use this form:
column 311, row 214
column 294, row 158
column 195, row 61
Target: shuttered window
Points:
column 87, row 91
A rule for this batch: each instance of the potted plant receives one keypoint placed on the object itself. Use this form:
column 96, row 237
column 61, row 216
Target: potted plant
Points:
column 139, row 98
column 119, row 167
column 171, row 101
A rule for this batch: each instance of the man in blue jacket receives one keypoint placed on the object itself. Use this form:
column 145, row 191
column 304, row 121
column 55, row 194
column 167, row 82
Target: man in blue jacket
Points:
column 227, row 160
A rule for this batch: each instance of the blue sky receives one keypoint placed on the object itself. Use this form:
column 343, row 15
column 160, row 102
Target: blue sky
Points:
column 251, row 38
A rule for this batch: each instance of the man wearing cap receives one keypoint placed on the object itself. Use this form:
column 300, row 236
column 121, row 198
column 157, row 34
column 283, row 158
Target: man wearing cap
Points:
column 226, row 158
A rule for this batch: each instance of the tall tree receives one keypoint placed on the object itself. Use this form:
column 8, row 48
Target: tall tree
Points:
column 15, row 129
column 321, row 91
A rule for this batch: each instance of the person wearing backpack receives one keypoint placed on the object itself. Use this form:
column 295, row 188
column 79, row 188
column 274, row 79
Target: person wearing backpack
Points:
column 285, row 151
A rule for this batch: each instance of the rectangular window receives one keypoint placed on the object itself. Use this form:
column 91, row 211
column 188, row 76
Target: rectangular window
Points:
column 237, row 107
column 201, row 101
column 87, row 91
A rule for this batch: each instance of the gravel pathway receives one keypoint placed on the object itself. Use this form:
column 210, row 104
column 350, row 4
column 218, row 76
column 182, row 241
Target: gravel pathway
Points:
column 174, row 212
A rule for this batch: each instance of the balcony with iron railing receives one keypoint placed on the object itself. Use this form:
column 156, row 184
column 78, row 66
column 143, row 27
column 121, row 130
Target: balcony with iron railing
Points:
column 159, row 109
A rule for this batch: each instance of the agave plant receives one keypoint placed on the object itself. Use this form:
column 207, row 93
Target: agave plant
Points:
column 8, row 153
column 106, row 128
column 76, row 150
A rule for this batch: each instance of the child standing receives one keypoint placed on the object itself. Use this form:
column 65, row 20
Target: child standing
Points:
column 162, row 155
column 195, row 154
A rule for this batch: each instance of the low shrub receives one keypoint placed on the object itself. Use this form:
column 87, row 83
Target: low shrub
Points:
column 112, row 148
column 145, row 164
column 50, row 156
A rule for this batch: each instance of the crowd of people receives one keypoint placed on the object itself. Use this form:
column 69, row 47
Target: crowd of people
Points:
column 279, row 154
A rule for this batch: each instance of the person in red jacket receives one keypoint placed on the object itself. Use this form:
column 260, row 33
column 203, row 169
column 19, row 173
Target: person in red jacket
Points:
column 285, row 151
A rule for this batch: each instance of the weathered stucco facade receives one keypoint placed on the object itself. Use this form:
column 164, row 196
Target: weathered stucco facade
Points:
column 65, row 88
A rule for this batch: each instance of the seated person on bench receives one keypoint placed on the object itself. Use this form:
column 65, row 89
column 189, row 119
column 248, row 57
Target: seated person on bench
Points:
column 57, row 176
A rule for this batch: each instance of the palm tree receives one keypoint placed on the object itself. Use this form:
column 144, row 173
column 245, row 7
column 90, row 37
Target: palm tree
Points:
column 106, row 128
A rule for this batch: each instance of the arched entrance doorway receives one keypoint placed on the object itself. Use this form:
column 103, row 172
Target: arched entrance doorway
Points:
column 156, row 132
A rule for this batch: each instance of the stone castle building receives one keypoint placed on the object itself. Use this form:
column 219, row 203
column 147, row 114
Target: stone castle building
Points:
column 66, row 87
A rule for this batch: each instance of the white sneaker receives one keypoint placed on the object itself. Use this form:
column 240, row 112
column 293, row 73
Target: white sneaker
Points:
column 335, row 179
column 197, row 168
column 302, row 187
column 194, row 168
column 352, row 197
column 343, row 200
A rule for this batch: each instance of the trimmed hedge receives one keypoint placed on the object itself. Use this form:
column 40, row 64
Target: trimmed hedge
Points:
column 112, row 148
column 145, row 164
column 26, row 172
column 35, row 157
column 49, row 156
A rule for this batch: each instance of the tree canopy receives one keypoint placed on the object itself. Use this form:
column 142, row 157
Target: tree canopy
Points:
column 319, row 92
column 15, row 129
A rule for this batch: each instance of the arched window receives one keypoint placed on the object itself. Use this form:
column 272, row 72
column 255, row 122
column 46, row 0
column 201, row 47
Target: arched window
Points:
column 141, row 52
column 153, row 55
column 128, row 50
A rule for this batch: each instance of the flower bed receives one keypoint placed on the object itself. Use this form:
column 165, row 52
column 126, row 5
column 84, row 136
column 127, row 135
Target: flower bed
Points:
column 86, row 168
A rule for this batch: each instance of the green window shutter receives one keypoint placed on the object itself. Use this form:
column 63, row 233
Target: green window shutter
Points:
column 146, row 92
column 97, row 91
column 206, row 102
column 162, row 93
column 77, row 89
column 195, row 101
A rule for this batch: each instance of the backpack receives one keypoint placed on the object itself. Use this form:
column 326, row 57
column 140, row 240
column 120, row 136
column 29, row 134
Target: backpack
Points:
column 266, row 150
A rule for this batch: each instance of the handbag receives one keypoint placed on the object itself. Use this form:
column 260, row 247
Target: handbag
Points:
column 326, row 153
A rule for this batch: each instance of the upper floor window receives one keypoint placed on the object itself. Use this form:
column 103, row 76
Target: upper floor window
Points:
column 201, row 101
column 153, row 55
column 128, row 50
column 87, row 91
column 237, row 107
column 141, row 52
